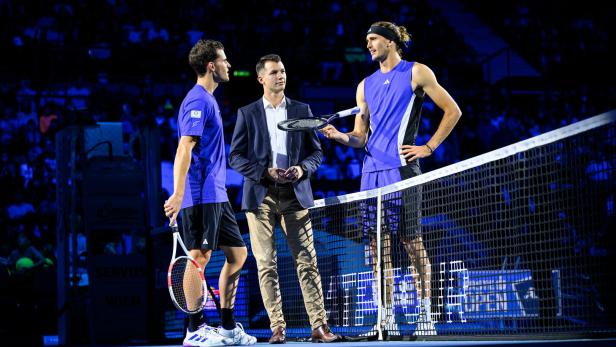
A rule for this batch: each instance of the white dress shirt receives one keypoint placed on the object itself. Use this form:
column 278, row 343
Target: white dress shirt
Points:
column 278, row 138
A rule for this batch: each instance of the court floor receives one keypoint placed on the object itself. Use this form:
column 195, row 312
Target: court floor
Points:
column 611, row 342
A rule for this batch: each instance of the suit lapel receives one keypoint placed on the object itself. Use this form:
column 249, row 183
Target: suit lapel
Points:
column 291, row 109
column 291, row 113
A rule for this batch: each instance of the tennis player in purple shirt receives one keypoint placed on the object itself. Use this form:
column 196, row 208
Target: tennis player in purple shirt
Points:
column 208, row 222
column 391, row 100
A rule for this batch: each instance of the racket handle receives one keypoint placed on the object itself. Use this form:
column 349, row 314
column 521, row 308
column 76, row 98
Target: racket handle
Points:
column 349, row 112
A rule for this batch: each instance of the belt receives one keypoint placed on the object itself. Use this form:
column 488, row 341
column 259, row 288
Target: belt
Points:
column 270, row 184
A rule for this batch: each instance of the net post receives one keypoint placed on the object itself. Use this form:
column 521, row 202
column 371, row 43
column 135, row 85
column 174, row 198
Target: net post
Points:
column 379, row 271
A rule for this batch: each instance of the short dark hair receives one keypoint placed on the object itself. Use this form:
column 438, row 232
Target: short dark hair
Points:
column 264, row 59
column 203, row 52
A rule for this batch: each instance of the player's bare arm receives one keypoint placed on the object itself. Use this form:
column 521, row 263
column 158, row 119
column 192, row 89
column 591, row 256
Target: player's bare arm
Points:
column 424, row 78
column 180, row 170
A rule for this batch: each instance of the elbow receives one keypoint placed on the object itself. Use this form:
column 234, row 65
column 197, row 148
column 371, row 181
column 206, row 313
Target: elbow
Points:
column 454, row 114
column 358, row 139
column 233, row 156
column 364, row 142
column 318, row 157
column 457, row 112
column 361, row 143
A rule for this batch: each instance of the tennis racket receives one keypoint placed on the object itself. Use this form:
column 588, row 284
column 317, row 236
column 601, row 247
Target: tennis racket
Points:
column 314, row 123
column 185, row 278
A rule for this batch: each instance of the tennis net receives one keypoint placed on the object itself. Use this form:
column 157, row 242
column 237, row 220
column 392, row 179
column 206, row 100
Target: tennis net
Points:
column 515, row 241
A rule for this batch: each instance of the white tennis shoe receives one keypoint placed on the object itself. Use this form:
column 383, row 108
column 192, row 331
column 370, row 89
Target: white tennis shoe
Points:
column 238, row 335
column 205, row 336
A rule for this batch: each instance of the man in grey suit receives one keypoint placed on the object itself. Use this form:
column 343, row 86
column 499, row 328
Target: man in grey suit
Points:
column 277, row 166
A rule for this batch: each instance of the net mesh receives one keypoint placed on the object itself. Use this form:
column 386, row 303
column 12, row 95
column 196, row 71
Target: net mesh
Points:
column 186, row 285
column 516, row 241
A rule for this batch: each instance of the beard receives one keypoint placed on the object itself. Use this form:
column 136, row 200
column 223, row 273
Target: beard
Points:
column 219, row 78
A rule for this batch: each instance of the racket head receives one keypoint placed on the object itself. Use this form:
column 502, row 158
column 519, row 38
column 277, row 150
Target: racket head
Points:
column 303, row 124
column 187, row 286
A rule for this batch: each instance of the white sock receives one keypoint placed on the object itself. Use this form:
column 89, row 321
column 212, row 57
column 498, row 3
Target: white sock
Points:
column 389, row 314
column 427, row 308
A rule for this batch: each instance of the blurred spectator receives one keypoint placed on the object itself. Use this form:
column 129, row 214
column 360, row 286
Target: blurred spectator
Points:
column 46, row 118
column 78, row 94
column 26, row 97
column 26, row 256
column 19, row 208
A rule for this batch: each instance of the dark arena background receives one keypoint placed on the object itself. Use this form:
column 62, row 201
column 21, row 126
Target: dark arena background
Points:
column 517, row 205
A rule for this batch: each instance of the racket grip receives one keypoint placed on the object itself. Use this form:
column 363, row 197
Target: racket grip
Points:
column 350, row 111
column 174, row 225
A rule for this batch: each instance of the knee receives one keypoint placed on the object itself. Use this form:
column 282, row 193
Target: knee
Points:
column 303, row 264
column 415, row 246
column 308, row 272
column 237, row 256
column 306, row 264
column 268, row 273
column 202, row 258
column 243, row 254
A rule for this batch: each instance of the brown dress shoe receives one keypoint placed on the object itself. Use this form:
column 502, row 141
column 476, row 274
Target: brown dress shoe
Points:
column 324, row 334
column 279, row 335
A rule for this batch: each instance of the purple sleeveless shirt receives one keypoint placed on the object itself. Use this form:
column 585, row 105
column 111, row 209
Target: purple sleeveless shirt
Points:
column 395, row 110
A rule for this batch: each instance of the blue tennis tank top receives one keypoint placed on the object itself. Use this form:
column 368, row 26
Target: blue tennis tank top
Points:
column 395, row 110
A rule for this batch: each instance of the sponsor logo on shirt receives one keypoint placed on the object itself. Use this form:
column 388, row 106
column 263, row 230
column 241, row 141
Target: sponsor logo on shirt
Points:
column 195, row 114
column 386, row 82
column 195, row 123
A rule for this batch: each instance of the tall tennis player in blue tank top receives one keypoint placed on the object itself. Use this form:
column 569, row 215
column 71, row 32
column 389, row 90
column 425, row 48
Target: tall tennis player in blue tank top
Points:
column 390, row 100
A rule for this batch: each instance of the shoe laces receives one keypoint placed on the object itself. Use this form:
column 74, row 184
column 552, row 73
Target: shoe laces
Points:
column 240, row 335
column 206, row 330
column 240, row 329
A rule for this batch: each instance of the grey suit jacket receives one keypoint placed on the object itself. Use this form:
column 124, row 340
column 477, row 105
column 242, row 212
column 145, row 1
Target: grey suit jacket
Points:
column 250, row 153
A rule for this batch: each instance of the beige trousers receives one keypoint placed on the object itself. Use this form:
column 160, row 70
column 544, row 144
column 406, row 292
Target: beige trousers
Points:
column 281, row 206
